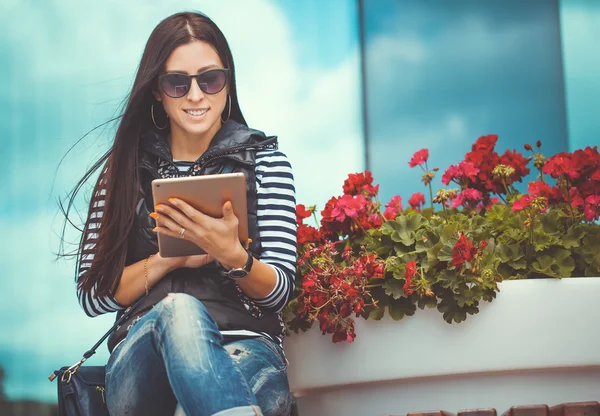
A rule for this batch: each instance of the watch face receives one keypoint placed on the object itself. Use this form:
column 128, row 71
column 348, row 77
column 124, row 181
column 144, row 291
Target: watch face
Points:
column 237, row 273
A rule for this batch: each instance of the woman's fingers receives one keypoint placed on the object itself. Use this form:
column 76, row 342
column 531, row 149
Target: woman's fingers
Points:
column 189, row 211
column 166, row 222
column 228, row 214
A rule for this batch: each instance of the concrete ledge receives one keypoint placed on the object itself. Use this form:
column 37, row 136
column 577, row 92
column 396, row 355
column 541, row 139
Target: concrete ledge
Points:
column 533, row 329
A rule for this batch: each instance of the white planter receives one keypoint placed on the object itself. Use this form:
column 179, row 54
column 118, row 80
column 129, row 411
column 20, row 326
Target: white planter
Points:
column 537, row 342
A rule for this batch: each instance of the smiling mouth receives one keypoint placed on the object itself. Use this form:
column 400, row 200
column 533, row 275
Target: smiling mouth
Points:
column 196, row 112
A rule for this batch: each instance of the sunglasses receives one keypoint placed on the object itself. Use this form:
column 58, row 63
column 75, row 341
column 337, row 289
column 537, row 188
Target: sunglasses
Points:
column 178, row 85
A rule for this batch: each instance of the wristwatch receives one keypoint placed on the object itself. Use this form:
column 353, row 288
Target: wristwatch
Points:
column 239, row 273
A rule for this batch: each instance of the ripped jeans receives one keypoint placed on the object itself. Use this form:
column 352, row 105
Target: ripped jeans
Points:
column 175, row 353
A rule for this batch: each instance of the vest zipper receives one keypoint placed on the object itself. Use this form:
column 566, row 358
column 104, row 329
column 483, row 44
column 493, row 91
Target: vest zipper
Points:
column 218, row 155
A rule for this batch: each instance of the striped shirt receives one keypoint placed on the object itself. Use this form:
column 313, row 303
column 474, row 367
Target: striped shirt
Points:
column 276, row 226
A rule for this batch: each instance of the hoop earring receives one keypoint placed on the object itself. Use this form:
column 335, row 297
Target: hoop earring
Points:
column 154, row 121
column 229, row 112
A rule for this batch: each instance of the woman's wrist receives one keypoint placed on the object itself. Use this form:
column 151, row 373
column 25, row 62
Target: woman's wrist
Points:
column 236, row 259
column 164, row 265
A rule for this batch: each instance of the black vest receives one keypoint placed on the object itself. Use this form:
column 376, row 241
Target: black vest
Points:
column 234, row 145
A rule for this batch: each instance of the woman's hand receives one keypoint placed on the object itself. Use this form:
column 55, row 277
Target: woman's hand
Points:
column 217, row 236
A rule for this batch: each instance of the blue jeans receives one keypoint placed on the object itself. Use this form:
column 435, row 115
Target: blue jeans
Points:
column 175, row 353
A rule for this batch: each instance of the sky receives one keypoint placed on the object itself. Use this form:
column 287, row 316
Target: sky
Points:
column 439, row 75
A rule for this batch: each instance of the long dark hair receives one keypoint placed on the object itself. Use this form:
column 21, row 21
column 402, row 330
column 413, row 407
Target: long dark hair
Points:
column 119, row 176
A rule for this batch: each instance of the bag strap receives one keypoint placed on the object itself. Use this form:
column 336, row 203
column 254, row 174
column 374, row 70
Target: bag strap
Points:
column 68, row 373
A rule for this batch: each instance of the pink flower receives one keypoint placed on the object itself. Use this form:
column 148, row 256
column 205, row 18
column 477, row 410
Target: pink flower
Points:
column 464, row 170
column 419, row 158
column 469, row 197
column 393, row 208
column 416, row 200
column 395, row 202
column 348, row 206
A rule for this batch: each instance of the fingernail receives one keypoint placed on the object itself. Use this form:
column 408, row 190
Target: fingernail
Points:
column 154, row 215
column 249, row 240
column 173, row 201
column 157, row 208
column 155, row 229
column 228, row 205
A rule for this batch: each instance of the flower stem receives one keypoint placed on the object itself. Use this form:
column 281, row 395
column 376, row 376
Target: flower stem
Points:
column 316, row 221
column 431, row 196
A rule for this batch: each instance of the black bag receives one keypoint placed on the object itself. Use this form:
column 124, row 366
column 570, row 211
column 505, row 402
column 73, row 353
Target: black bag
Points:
column 81, row 388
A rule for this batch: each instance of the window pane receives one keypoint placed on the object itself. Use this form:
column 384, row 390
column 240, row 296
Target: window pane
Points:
column 442, row 73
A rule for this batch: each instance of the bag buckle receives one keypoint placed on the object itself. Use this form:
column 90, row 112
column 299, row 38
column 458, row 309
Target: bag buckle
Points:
column 68, row 374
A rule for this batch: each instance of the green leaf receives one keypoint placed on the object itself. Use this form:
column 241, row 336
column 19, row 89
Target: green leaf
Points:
column 398, row 308
column 448, row 232
column 590, row 247
column 448, row 279
column 432, row 256
column 392, row 263
column 488, row 295
column 377, row 313
column 389, row 227
column 467, row 296
column 454, row 313
column 425, row 241
column 550, row 223
column 573, row 237
column 427, row 302
column 555, row 262
column 593, row 269
column 512, row 255
column 445, row 253
column 427, row 212
column 541, row 240
column 394, row 288
column 497, row 213
column 401, row 250
column 405, row 228
column 514, row 235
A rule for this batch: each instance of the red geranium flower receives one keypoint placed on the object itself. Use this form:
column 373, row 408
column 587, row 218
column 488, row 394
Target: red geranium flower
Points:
column 463, row 251
column 301, row 213
column 522, row 203
column 416, row 200
column 485, row 143
column 519, row 163
column 409, row 273
column 360, row 183
column 419, row 158
column 592, row 208
column 307, row 234
column 559, row 165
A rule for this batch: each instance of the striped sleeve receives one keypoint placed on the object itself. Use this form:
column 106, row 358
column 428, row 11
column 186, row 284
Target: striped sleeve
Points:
column 92, row 305
column 276, row 198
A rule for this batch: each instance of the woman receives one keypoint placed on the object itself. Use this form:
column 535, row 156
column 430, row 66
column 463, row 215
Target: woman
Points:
column 199, row 337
